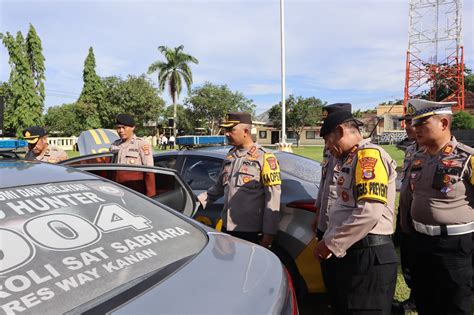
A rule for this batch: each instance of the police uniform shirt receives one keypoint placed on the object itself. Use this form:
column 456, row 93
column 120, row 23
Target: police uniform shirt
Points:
column 442, row 185
column 365, row 197
column 327, row 189
column 137, row 151
column 250, row 183
column 51, row 154
column 405, row 193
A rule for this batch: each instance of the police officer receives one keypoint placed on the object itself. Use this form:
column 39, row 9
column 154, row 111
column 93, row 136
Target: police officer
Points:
column 404, row 229
column 360, row 220
column 131, row 149
column 325, row 199
column 250, row 183
column 442, row 211
column 38, row 147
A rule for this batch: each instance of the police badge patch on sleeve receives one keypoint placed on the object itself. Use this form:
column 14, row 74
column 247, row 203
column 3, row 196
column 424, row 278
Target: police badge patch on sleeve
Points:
column 371, row 178
column 270, row 170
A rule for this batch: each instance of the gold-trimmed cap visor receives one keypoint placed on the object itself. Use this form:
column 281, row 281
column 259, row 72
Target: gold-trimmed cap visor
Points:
column 32, row 140
column 235, row 118
column 32, row 134
column 418, row 108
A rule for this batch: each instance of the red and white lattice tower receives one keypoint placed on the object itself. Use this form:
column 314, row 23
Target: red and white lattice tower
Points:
column 435, row 52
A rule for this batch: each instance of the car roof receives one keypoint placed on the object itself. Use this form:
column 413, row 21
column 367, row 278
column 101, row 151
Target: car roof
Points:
column 218, row 152
column 20, row 173
column 213, row 151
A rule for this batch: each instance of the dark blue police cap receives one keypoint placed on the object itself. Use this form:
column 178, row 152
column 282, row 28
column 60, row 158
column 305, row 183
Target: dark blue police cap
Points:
column 125, row 119
column 335, row 119
column 332, row 108
column 33, row 133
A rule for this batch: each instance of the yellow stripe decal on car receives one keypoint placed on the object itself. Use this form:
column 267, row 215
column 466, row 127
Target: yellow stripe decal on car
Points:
column 104, row 135
column 310, row 269
column 95, row 136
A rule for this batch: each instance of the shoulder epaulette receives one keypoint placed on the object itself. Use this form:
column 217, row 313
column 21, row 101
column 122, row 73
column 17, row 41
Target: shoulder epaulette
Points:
column 465, row 148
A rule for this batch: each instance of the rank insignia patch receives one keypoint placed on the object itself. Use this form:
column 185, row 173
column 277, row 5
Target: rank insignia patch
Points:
column 252, row 150
column 448, row 149
column 349, row 160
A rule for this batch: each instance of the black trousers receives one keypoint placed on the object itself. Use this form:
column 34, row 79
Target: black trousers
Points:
column 407, row 257
column 442, row 274
column 328, row 272
column 253, row 237
column 365, row 280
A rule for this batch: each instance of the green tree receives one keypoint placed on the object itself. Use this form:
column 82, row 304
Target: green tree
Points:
column 4, row 92
column 211, row 102
column 24, row 107
column 91, row 96
column 357, row 114
column 34, row 50
column 300, row 112
column 62, row 120
column 136, row 96
column 463, row 120
column 172, row 71
column 469, row 82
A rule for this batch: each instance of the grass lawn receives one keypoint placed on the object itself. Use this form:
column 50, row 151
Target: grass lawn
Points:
column 72, row 154
column 316, row 153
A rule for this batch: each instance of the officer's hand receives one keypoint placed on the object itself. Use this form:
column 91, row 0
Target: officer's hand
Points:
column 314, row 224
column 267, row 240
column 321, row 251
column 202, row 200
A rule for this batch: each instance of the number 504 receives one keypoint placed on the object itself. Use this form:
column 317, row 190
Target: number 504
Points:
column 63, row 232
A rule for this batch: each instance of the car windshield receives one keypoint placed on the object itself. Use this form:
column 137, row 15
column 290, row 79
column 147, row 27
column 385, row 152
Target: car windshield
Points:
column 71, row 245
column 299, row 167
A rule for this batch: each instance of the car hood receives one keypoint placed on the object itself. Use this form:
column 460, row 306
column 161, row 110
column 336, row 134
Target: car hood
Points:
column 228, row 276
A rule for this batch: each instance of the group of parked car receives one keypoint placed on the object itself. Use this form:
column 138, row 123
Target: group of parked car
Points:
column 91, row 236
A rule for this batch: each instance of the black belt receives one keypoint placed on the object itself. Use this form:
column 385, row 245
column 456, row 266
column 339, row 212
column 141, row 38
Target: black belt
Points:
column 372, row 240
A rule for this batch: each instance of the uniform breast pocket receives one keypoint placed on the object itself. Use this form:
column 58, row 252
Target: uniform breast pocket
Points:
column 226, row 174
column 414, row 176
column 248, row 177
column 405, row 171
column 447, row 181
column 132, row 157
column 344, row 181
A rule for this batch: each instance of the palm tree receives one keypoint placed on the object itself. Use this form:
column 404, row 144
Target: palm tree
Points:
column 172, row 71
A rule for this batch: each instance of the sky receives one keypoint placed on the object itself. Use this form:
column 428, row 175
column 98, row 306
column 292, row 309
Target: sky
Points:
column 336, row 50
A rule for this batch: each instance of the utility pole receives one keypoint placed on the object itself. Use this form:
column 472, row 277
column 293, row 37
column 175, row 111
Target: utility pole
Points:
column 282, row 40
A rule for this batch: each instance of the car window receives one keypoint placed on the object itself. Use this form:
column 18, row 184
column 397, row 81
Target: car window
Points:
column 200, row 172
column 68, row 246
column 102, row 158
column 300, row 167
column 168, row 161
column 161, row 187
